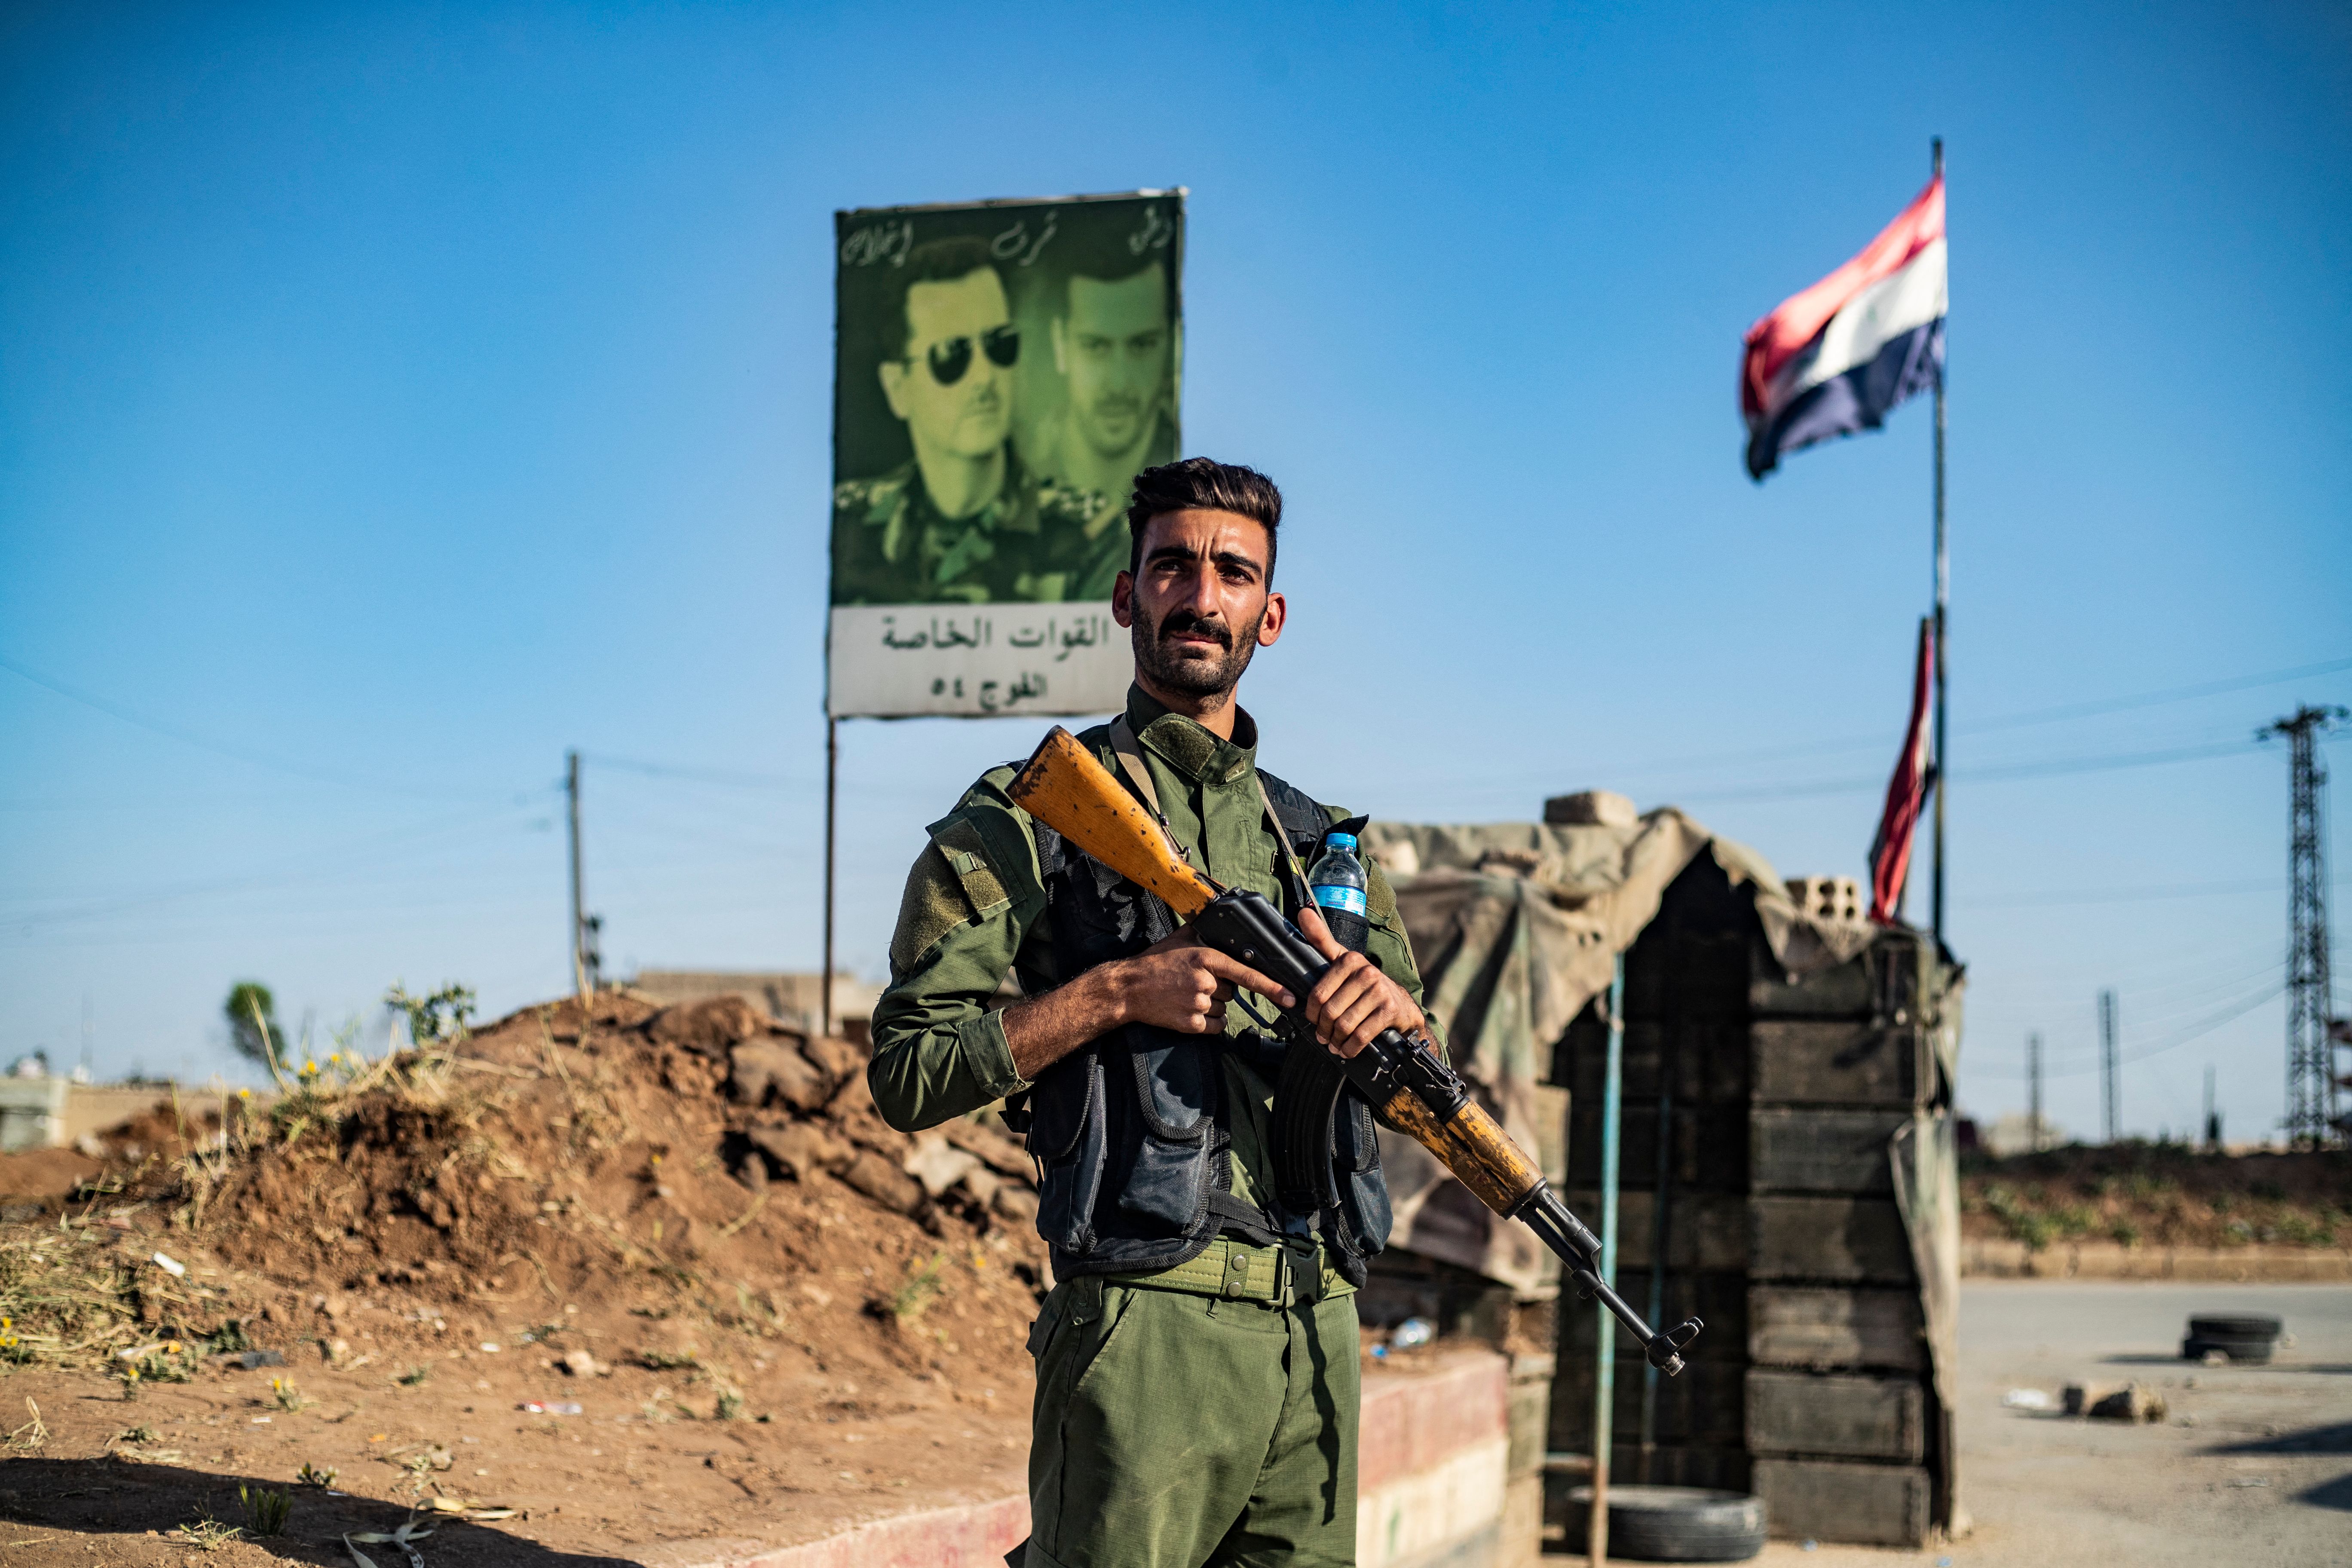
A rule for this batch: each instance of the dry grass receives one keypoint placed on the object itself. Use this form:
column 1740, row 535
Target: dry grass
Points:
column 78, row 1290
column 2136, row 1193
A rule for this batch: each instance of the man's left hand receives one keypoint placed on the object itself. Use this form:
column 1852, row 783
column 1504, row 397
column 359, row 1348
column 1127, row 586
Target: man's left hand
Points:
column 1354, row 1001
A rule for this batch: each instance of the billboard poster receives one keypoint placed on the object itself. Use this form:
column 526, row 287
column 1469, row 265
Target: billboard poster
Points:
column 1002, row 370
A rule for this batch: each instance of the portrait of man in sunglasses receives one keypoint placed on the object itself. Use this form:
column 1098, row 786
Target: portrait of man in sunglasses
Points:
column 964, row 520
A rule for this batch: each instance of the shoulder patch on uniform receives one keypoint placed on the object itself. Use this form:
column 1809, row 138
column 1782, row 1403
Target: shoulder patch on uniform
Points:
column 967, row 854
column 1379, row 898
column 932, row 905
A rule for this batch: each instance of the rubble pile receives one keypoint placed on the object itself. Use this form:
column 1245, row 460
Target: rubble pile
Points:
column 671, row 1176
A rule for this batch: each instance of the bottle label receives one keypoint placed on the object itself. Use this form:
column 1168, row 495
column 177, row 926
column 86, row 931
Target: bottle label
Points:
column 1349, row 901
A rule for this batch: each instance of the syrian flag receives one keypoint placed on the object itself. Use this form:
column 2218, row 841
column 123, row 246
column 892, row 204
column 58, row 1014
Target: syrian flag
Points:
column 1906, row 794
column 1835, row 358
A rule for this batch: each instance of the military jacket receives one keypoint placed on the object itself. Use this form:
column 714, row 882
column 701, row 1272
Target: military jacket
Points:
column 1038, row 541
column 976, row 909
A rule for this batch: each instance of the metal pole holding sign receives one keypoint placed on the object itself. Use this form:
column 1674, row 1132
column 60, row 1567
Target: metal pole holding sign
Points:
column 831, row 777
column 1605, row 1383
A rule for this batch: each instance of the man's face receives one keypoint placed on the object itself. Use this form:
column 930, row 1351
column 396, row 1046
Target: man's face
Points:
column 1198, row 607
column 1112, row 347
column 952, row 389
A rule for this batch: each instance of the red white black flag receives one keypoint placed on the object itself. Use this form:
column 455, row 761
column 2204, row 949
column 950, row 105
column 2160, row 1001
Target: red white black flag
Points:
column 1906, row 794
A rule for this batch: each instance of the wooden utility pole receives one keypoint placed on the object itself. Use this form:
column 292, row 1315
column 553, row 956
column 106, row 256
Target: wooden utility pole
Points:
column 587, row 963
column 2111, row 1089
column 2033, row 1093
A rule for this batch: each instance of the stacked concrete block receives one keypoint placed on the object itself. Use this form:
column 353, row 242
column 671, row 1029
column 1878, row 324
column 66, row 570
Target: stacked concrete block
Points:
column 1840, row 1416
column 1826, row 898
column 1811, row 1384
column 1686, row 1033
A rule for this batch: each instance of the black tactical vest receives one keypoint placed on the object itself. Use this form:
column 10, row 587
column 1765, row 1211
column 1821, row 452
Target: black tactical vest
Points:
column 1131, row 1130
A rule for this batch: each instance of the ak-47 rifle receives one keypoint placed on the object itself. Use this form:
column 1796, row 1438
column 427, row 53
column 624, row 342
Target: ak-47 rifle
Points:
column 1403, row 1079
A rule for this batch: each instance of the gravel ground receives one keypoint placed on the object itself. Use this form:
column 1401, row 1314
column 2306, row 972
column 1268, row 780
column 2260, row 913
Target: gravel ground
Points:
column 2253, row 1466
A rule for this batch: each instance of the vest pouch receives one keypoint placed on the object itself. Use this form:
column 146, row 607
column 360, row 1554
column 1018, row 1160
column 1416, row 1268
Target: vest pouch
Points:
column 1174, row 1084
column 1356, row 1161
column 1068, row 1134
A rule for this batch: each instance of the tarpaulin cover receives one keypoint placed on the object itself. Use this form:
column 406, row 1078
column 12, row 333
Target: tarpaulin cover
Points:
column 1924, row 1156
column 1517, row 926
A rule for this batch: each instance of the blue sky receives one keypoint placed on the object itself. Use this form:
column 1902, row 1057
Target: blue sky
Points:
column 394, row 397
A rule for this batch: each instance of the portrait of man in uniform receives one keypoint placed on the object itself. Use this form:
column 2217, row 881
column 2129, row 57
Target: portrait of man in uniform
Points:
column 963, row 519
column 1114, row 343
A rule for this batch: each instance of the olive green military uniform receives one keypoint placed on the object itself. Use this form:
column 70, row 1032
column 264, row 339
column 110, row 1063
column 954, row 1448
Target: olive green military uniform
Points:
column 1205, row 1414
column 1037, row 541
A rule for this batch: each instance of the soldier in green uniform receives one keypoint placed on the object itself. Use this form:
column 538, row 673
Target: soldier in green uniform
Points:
column 1197, row 1359
column 962, row 520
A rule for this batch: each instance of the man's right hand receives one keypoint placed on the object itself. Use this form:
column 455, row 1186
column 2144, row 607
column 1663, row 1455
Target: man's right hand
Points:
column 1181, row 983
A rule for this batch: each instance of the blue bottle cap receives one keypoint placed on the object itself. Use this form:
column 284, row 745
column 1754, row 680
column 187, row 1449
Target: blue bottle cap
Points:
column 1341, row 841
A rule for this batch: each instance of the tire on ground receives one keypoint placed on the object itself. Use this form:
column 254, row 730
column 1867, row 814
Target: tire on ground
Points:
column 2235, row 1326
column 2240, row 1336
column 1673, row 1525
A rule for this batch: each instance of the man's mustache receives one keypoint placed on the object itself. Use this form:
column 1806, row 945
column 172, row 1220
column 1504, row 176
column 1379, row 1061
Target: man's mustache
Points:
column 1185, row 623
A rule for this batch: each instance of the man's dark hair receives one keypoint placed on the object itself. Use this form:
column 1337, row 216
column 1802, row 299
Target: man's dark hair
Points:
column 1107, row 258
column 1203, row 484
column 933, row 261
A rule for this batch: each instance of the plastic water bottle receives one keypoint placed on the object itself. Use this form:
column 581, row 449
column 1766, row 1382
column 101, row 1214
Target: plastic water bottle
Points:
column 1413, row 1334
column 1338, row 881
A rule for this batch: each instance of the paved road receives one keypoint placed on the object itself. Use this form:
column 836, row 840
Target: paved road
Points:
column 2253, row 1467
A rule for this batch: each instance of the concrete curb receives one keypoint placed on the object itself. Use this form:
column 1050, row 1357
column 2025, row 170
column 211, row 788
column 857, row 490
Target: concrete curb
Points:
column 1429, row 1479
column 2108, row 1260
column 972, row 1535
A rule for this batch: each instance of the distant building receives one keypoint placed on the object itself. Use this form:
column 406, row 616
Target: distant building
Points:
column 51, row 1112
column 791, row 998
column 2017, row 1133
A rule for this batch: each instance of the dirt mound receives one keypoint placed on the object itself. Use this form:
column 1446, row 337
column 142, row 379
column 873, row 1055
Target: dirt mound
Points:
column 695, row 1189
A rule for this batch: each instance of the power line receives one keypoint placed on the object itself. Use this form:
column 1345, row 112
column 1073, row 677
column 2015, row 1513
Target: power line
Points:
column 220, row 748
column 2154, row 699
column 733, row 777
column 2004, row 722
column 97, row 909
column 2204, row 1027
column 2128, row 895
column 2008, row 774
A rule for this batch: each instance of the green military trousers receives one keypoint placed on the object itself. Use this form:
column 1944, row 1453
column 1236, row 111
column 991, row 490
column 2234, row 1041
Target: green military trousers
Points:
column 1178, row 1430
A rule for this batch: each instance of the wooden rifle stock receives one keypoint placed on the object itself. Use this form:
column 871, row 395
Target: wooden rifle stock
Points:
column 1063, row 786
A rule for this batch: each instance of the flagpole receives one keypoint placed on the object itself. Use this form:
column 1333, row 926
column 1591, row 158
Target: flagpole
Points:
column 1943, row 582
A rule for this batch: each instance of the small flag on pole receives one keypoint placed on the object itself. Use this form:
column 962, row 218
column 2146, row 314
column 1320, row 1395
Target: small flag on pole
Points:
column 1837, row 357
column 1906, row 793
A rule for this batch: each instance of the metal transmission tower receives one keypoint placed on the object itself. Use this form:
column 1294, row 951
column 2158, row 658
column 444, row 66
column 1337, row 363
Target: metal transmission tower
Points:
column 2311, row 1086
column 2110, row 1084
